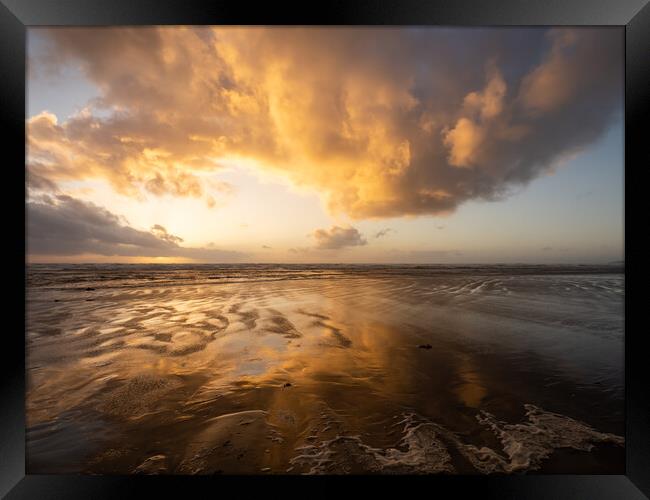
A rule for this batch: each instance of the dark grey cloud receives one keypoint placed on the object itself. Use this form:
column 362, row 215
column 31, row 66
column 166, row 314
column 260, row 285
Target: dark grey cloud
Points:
column 38, row 182
column 383, row 232
column 62, row 226
column 338, row 237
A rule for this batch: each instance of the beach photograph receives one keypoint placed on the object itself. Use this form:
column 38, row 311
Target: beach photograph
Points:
column 325, row 250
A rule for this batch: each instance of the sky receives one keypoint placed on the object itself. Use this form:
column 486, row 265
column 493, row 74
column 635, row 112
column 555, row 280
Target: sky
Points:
column 350, row 145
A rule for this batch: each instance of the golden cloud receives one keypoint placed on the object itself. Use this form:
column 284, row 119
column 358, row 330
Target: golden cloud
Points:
column 381, row 122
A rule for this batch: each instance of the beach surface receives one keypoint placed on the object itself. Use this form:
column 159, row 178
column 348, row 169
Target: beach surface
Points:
column 270, row 369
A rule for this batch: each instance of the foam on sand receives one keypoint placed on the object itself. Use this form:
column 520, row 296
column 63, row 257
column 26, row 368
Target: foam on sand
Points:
column 423, row 447
column 526, row 445
column 420, row 451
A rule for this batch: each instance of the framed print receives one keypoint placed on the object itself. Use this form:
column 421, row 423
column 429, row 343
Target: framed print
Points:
column 372, row 242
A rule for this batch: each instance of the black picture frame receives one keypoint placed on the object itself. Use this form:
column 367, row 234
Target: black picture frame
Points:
column 17, row 15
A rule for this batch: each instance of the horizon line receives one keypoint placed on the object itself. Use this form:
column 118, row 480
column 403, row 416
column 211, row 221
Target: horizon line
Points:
column 617, row 262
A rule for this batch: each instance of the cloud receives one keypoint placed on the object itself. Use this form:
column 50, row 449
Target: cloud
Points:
column 464, row 141
column 554, row 82
column 161, row 233
column 64, row 226
column 381, row 122
column 489, row 102
column 338, row 237
column 383, row 232
column 37, row 182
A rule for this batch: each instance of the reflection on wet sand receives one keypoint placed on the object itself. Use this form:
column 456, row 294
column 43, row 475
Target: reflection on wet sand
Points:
column 470, row 390
column 324, row 373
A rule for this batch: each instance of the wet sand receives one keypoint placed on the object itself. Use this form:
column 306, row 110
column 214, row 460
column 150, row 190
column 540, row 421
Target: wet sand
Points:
column 324, row 370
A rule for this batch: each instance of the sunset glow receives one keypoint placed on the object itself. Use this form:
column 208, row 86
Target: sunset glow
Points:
column 255, row 144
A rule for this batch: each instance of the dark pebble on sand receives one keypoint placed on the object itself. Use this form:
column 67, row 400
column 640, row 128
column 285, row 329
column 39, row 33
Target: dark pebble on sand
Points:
column 425, row 346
